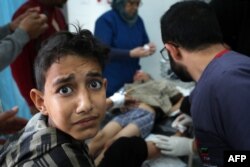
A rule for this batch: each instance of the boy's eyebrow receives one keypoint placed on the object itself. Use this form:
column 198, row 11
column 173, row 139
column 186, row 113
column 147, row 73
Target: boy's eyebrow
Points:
column 71, row 77
column 63, row 79
column 94, row 74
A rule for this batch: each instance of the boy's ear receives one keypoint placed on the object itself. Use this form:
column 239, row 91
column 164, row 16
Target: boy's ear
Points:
column 37, row 98
column 174, row 51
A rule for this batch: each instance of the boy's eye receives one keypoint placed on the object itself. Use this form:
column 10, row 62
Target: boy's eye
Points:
column 95, row 84
column 65, row 90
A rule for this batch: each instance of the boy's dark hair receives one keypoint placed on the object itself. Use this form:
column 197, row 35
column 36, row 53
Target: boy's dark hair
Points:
column 190, row 24
column 81, row 43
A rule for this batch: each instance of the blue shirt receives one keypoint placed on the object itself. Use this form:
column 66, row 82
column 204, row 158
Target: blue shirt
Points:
column 113, row 31
column 220, row 108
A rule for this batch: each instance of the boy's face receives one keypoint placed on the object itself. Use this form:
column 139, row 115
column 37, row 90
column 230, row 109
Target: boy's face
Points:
column 74, row 96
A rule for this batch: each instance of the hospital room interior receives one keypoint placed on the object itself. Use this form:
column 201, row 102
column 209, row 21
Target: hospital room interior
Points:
column 144, row 98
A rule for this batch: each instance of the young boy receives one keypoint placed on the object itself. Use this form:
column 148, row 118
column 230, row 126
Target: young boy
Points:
column 70, row 96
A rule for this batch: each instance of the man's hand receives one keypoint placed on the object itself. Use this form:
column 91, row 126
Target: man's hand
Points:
column 31, row 21
column 15, row 23
column 182, row 122
column 9, row 123
column 174, row 145
column 34, row 24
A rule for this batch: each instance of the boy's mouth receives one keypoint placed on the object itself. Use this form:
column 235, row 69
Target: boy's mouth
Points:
column 86, row 121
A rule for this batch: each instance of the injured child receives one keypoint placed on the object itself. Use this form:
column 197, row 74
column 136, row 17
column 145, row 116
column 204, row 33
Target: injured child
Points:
column 141, row 103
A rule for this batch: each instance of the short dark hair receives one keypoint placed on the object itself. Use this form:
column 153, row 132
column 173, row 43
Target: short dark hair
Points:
column 191, row 24
column 81, row 43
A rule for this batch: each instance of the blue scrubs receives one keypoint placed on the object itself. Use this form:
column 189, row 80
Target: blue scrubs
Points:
column 113, row 31
column 220, row 108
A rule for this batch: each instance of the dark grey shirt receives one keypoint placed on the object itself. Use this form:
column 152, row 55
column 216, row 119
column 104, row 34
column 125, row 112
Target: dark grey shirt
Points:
column 41, row 145
column 11, row 44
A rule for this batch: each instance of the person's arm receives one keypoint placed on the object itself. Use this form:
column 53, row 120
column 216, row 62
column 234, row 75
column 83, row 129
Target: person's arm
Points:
column 105, row 30
column 115, row 101
column 11, row 45
column 31, row 25
column 182, row 122
column 123, row 53
column 4, row 31
column 153, row 151
column 233, row 109
column 10, row 123
column 175, row 145
column 134, row 53
column 118, row 100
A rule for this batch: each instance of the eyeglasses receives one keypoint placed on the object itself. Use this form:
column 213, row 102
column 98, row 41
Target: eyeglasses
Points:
column 164, row 54
column 164, row 51
column 137, row 3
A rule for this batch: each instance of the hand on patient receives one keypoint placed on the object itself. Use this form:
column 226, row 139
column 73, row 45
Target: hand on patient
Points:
column 182, row 122
column 118, row 100
column 174, row 145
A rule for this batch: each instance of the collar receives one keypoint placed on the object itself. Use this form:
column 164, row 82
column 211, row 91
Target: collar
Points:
column 221, row 53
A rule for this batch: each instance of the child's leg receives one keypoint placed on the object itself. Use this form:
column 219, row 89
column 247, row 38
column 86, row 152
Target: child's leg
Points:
column 98, row 142
column 139, row 123
column 128, row 131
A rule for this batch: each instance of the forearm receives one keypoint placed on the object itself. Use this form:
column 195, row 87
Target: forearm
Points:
column 118, row 54
column 4, row 31
column 11, row 46
column 153, row 151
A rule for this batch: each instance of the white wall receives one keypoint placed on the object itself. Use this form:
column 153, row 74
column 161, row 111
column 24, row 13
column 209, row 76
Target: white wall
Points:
column 151, row 12
column 86, row 11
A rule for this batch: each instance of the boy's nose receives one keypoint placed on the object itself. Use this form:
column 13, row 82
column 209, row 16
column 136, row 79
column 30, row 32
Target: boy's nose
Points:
column 84, row 103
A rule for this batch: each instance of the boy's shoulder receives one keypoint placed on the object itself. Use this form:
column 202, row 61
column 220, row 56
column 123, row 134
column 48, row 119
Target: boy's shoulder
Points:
column 39, row 142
